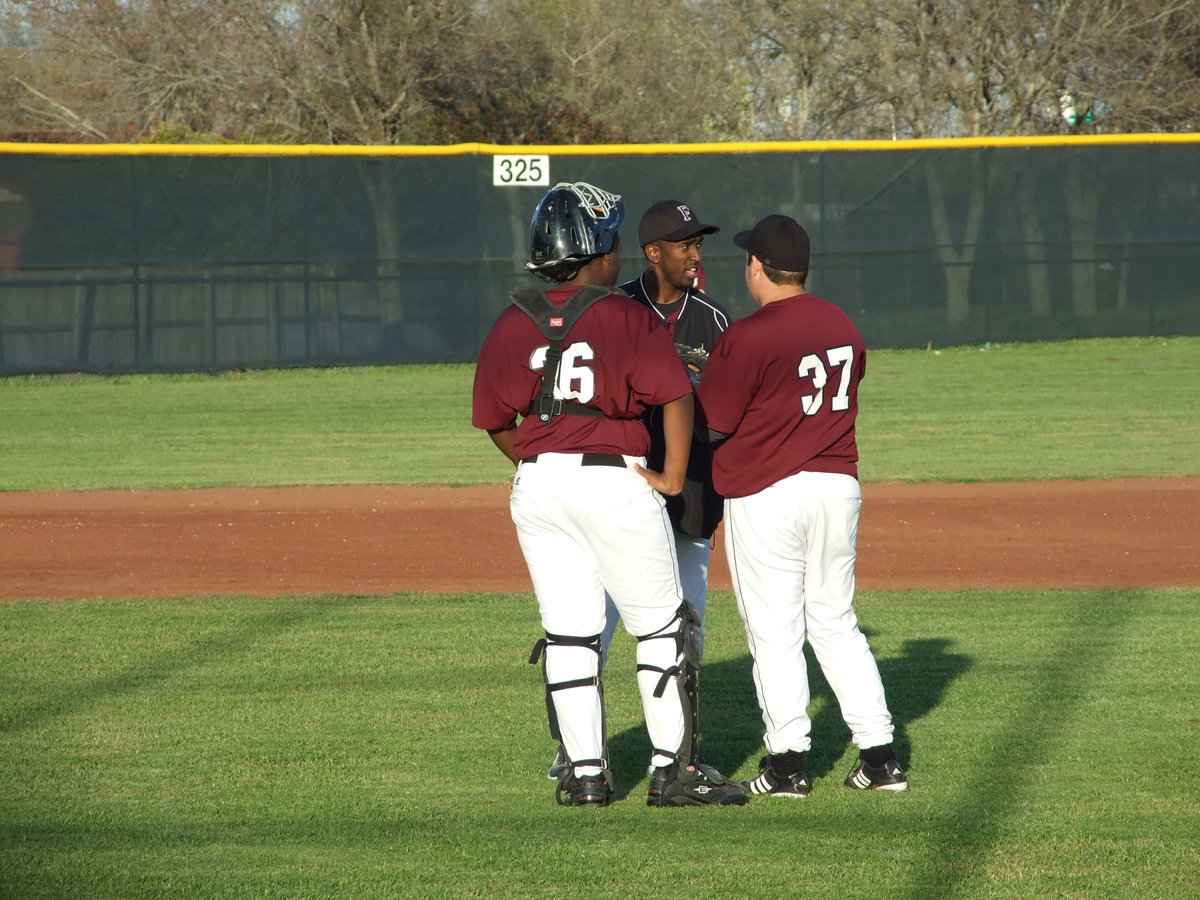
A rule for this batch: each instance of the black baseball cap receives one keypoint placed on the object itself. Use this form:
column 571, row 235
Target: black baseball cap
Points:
column 670, row 220
column 778, row 241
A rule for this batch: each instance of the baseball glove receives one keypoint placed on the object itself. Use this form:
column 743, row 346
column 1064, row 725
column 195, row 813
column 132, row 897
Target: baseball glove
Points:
column 694, row 360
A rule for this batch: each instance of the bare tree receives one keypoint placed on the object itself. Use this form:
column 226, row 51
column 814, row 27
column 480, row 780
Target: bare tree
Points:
column 800, row 64
column 43, row 96
column 661, row 72
column 952, row 68
column 140, row 66
column 371, row 70
column 325, row 71
column 515, row 71
column 1140, row 71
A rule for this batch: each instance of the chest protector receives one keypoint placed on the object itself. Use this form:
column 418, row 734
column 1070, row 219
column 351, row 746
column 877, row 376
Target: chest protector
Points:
column 555, row 322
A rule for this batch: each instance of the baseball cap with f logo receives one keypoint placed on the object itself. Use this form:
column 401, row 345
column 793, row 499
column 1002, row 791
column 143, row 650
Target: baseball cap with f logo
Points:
column 671, row 220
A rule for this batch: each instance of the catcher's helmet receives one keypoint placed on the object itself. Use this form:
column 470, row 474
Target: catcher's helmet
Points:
column 573, row 222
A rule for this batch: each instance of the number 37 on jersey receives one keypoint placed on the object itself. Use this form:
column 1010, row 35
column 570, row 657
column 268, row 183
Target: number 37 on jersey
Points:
column 838, row 364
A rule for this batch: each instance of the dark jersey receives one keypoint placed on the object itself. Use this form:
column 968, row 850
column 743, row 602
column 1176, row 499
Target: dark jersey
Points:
column 783, row 383
column 697, row 321
column 617, row 358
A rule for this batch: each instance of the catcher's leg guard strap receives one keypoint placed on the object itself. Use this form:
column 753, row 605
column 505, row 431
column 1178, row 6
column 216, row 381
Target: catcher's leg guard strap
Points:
column 688, row 636
column 685, row 631
column 542, row 650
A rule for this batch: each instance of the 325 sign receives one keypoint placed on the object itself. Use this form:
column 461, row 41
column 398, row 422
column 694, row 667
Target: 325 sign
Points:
column 519, row 170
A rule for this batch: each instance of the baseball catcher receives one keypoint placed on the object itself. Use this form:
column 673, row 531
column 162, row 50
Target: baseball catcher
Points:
column 561, row 386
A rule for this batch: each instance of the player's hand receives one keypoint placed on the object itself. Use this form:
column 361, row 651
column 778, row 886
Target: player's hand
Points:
column 665, row 486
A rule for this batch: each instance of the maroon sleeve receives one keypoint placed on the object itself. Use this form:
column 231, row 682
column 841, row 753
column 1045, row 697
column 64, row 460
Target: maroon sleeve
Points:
column 499, row 385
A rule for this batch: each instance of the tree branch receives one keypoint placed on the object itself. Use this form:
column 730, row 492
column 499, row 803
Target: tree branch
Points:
column 64, row 113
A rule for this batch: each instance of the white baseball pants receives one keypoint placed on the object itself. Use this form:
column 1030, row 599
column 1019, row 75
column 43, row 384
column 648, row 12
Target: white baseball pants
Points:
column 791, row 552
column 693, row 554
column 582, row 530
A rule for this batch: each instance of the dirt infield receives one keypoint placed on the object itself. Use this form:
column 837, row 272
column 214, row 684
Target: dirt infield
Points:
column 380, row 540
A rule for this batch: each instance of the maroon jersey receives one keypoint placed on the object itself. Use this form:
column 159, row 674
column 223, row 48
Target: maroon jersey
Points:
column 783, row 383
column 617, row 358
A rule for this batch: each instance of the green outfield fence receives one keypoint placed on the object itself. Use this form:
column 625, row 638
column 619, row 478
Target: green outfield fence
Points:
column 124, row 258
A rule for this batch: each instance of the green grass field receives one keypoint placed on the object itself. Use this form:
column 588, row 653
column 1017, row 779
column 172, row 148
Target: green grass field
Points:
column 349, row 746
column 1086, row 409
column 395, row 746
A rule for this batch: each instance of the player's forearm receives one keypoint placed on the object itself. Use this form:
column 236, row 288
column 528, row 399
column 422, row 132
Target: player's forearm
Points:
column 503, row 440
column 678, row 416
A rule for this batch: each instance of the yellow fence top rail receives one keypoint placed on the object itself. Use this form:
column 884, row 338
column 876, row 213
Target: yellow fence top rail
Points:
column 581, row 149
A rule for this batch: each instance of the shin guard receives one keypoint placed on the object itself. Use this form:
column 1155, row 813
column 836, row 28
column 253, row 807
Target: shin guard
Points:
column 688, row 636
column 559, row 642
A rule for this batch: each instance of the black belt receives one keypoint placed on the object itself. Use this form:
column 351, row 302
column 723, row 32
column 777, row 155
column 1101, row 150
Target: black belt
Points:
column 591, row 459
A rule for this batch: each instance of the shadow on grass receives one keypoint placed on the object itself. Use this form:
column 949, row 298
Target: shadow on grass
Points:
column 731, row 728
column 961, row 844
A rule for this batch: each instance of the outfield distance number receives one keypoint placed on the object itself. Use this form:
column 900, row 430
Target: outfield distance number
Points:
column 517, row 170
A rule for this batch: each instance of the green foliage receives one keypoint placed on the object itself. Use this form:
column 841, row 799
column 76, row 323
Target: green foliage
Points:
column 174, row 132
column 503, row 119
column 346, row 746
column 1081, row 409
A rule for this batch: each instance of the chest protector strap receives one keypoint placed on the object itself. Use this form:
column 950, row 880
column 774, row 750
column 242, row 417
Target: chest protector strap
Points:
column 555, row 322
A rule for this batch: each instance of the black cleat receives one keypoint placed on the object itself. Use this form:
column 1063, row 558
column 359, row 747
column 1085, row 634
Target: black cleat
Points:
column 888, row 777
column 697, row 785
column 584, row 790
column 772, row 784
